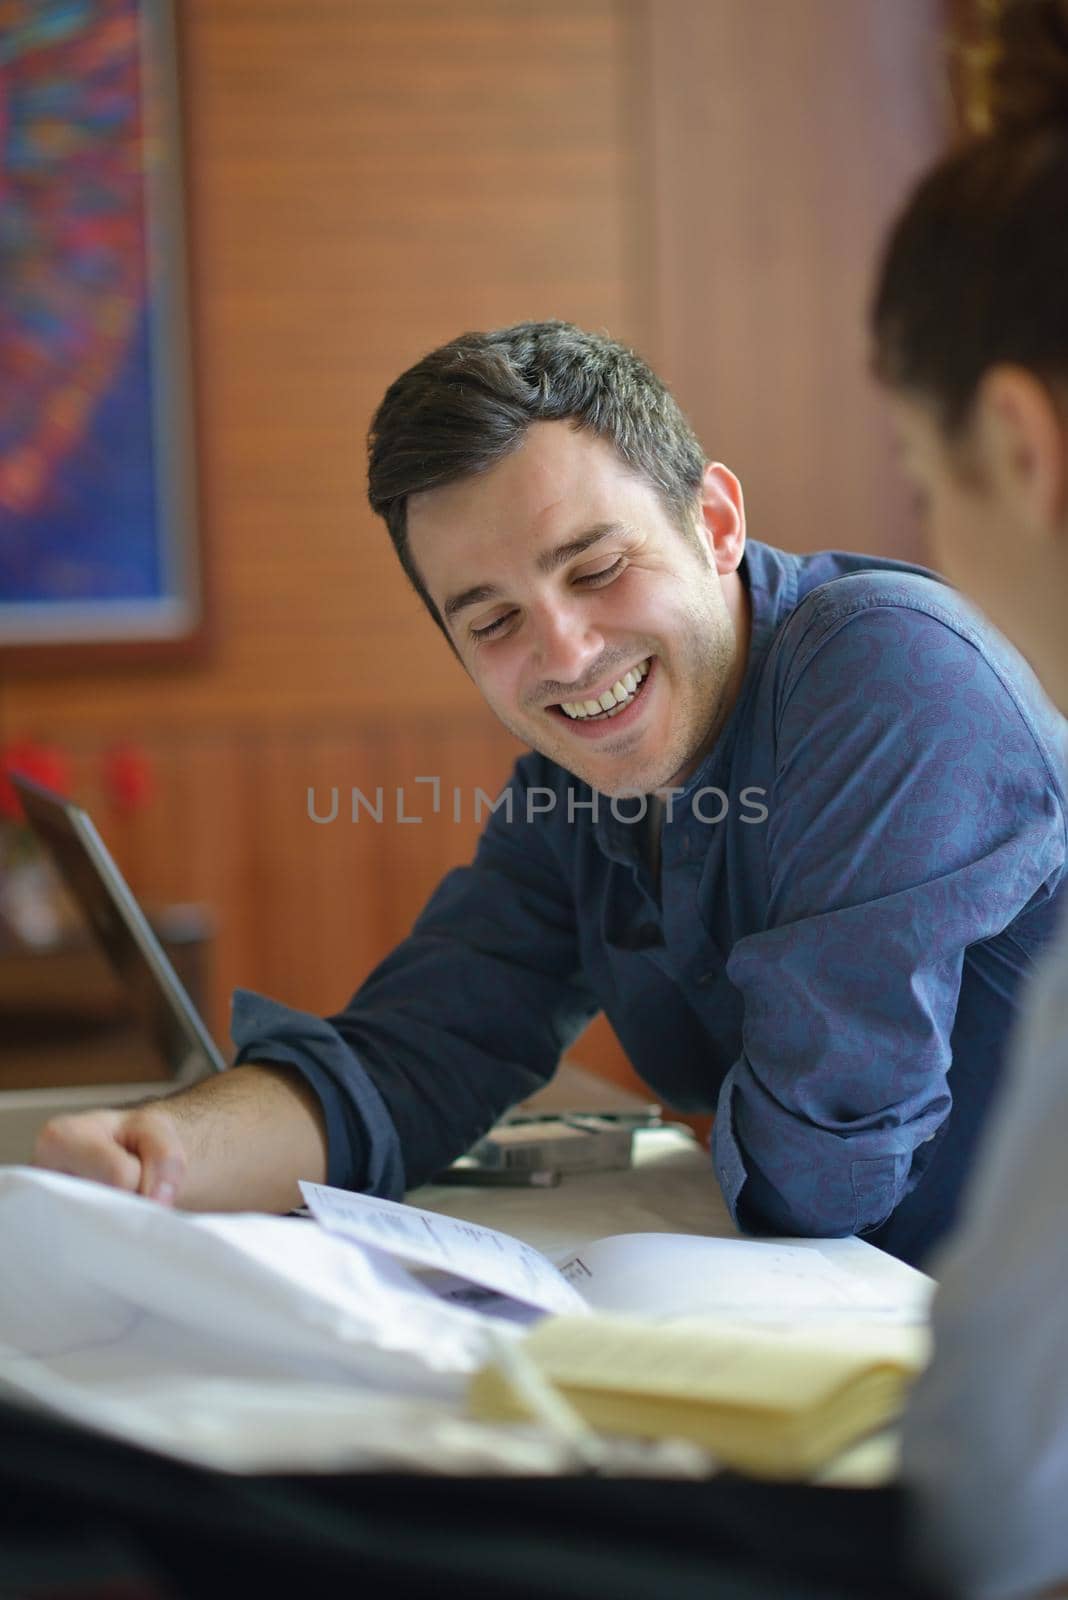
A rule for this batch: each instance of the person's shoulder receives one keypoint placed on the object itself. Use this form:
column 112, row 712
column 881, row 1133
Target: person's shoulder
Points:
column 906, row 628
column 828, row 589
column 867, row 612
column 888, row 585
column 899, row 606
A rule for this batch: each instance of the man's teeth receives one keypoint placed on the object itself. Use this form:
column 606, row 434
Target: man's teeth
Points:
column 613, row 701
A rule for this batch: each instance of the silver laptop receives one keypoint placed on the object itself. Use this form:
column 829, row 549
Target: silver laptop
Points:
column 125, row 936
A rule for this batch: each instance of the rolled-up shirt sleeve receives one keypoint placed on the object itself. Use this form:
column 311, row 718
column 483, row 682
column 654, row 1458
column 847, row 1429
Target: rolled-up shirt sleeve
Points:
column 468, row 1015
column 360, row 1136
column 890, row 853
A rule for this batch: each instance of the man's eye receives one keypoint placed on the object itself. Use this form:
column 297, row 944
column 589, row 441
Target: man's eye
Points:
column 492, row 628
column 603, row 574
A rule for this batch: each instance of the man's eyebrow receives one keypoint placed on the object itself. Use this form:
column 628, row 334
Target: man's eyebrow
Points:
column 549, row 561
column 553, row 560
column 468, row 597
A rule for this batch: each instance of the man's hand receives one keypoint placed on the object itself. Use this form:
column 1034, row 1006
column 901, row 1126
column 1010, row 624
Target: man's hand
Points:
column 139, row 1150
column 238, row 1141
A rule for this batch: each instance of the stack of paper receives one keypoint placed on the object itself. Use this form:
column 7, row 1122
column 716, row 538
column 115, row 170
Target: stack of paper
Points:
column 266, row 1343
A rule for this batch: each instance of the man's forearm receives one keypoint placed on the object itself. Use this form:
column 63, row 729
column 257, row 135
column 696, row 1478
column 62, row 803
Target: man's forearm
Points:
column 236, row 1142
column 248, row 1136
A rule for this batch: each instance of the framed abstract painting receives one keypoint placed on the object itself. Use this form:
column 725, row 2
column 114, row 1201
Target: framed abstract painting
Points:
column 100, row 553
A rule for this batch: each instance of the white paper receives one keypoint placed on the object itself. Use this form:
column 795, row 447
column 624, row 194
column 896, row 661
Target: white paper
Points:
column 256, row 1343
column 243, row 1424
column 666, row 1275
column 103, row 1285
column 464, row 1249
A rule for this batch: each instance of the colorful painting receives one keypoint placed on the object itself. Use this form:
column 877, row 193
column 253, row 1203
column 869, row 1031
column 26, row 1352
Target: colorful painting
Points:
column 96, row 535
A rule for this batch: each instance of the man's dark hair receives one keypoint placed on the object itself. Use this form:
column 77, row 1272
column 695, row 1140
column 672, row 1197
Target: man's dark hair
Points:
column 467, row 405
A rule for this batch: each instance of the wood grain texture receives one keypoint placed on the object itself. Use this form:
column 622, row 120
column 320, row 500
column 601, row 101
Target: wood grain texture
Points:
column 367, row 178
column 784, row 134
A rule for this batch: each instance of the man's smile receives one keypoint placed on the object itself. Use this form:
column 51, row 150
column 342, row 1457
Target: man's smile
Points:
column 613, row 700
column 619, row 704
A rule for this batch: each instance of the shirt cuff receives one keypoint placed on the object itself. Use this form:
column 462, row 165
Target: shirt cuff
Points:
column 363, row 1151
column 825, row 1184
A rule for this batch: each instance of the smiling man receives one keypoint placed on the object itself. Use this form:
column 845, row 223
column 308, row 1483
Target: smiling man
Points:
column 795, row 824
column 599, row 633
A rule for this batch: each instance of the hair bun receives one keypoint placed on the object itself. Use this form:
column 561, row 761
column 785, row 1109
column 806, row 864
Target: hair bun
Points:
column 1017, row 76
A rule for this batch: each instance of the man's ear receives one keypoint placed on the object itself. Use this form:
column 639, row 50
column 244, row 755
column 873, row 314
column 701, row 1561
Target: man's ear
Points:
column 1024, row 442
column 722, row 513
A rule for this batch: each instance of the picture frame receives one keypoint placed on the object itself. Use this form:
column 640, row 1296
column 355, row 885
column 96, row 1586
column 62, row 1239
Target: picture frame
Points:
column 101, row 549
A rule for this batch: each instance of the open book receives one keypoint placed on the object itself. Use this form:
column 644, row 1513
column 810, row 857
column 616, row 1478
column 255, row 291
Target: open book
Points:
column 767, row 1352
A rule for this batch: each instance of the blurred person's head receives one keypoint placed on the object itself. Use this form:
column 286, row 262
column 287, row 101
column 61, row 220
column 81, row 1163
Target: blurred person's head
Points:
column 970, row 319
column 550, row 504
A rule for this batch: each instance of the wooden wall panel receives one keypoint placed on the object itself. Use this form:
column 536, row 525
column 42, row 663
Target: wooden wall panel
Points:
column 367, row 178
column 783, row 136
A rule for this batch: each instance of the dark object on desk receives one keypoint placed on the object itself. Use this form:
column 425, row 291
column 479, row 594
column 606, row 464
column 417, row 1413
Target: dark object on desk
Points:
column 649, row 1116
column 476, row 1177
column 598, row 1121
column 425, row 1538
column 574, row 1090
column 123, row 932
column 562, row 1144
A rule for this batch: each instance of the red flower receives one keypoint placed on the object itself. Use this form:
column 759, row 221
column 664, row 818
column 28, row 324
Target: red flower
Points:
column 41, row 762
column 128, row 778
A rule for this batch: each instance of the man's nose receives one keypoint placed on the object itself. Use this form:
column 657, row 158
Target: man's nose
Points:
column 567, row 642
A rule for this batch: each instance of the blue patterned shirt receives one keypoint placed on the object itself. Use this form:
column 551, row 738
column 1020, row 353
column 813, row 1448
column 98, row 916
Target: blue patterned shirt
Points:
column 850, row 891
